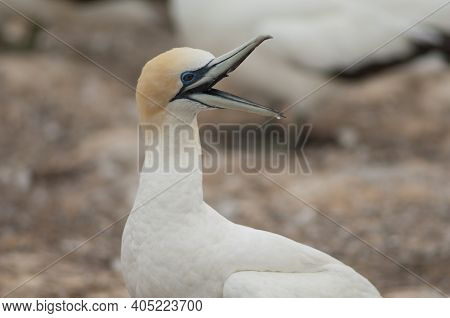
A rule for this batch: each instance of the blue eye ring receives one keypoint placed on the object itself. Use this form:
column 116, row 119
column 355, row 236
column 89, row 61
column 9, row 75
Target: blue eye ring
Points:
column 187, row 77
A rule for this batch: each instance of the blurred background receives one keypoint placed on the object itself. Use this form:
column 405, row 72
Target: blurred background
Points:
column 379, row 149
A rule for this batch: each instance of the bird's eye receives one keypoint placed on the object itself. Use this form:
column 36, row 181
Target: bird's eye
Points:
column 187, row 77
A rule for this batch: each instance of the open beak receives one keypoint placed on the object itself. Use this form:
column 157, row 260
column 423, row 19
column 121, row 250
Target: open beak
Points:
column 201, row 90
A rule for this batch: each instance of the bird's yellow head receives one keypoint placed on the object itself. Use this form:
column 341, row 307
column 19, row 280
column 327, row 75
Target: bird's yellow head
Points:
column 188, row 75
column 161, row 79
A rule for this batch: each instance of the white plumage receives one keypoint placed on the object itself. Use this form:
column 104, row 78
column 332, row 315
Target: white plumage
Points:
column 175, row 244
column 178, row 246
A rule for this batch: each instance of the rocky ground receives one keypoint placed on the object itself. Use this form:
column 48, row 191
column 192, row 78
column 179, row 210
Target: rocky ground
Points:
column 378, row 153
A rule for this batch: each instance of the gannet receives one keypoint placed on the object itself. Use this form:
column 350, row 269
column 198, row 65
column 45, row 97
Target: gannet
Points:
column 174, row 244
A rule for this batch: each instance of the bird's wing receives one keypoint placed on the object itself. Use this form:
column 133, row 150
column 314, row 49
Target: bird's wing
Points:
column 335, row 281
column 269, row 265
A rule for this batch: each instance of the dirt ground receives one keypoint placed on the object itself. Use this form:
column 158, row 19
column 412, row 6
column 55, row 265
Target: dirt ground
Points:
column 379, row 155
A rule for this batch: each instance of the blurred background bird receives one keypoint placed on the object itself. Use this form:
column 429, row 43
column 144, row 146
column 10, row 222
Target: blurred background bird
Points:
column 378, row 148
column 319, row 39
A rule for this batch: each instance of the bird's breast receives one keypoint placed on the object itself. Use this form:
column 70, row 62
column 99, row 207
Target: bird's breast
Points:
column 176, row 257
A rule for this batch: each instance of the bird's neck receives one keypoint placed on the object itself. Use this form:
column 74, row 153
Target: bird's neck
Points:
column 172, row 163
column 171, row 140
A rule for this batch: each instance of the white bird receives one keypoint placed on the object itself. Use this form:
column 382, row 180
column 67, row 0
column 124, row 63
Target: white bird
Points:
column 317, row 37
column 176, row 245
